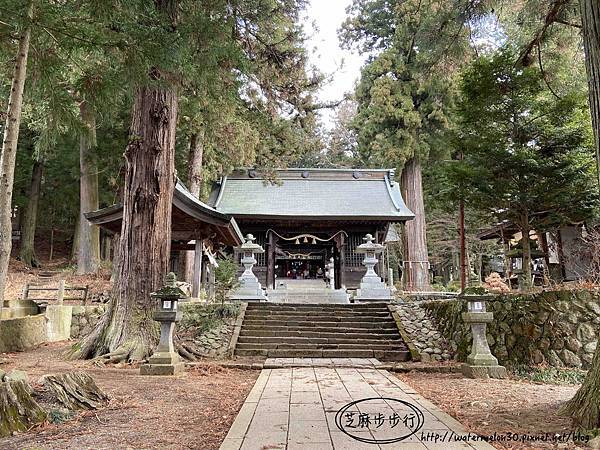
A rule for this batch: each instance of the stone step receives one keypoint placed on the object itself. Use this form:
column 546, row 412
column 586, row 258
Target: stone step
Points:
column 294, row 346
column 317, row 313
column 267, row 324
column 382, row 355
column 310, row 333
column 314, row 340
column 305, row 306
column 315, row 318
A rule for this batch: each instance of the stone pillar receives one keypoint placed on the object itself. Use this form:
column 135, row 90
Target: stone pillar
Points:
column 330, row 273
column 371, row 286
column 249, row 288
column 480, row 363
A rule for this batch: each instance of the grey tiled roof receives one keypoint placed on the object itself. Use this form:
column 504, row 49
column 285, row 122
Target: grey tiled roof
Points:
column 321, row 194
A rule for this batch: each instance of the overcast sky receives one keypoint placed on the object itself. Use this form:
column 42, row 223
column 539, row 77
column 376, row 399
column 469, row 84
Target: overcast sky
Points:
column 325, row 51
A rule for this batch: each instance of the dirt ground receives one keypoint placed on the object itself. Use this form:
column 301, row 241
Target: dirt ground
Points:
column 193, row 411
column 19, row 275
column 486, row 407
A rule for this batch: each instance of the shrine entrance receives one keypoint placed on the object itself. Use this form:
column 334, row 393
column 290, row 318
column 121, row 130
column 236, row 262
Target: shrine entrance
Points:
column 301, row 263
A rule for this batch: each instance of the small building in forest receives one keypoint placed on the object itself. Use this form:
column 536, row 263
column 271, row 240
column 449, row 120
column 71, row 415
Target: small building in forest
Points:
column 304, row 217
column 195, row 226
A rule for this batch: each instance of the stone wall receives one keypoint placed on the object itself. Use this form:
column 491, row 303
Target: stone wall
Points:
column 206, row 329
column 560, row 328
column 22, row 333
column 422, row 331
column 84, row 319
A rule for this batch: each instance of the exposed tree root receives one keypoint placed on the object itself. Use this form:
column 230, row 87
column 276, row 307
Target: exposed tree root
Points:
column 184, row 353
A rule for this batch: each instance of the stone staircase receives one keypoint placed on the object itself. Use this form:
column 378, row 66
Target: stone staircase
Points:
column 320, row 331
column 306, row 291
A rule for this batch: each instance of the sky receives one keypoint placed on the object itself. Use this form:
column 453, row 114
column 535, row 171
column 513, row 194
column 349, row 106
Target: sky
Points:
column 324, row 18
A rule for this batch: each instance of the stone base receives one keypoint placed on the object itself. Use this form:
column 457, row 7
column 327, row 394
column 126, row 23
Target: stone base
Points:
column 248, row 297
column 161, row 369
column 484, row 371
column 373, row 295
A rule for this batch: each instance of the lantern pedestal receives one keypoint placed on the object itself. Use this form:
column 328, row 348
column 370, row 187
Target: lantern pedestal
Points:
column 480, row 363
column 165, row 360
column 372, row 288
column 249, row 288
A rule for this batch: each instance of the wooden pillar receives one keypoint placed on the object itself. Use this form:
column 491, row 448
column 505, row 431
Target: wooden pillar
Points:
column 61, row 292
column 211, row 283
column 270, row 260
column 196, row 280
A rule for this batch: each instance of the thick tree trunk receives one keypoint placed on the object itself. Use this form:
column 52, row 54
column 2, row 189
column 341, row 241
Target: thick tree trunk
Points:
column 128, row 331
column 195, row 186
column 414, row 238
column 88, row 254
column 9, row 152
column 584, row 408
column 590, row 20
column 27, row 250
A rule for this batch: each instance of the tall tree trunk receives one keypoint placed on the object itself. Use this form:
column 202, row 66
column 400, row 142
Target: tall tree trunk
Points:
column 128, row 331
column 88, row 254
column 195, row 185
column 590, row 20
column 9, row 152
column 27, row 250
column 414, row 238
column 584, row 408
column 526, row 241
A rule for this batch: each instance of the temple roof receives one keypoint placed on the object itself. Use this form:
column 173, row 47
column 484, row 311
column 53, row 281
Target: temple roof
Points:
column 312, row 194
column 190, row 219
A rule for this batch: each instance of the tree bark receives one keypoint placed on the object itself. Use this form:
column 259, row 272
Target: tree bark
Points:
column 88, row 254
column 584, row 408
column 9, row 152
column 414, row 238
column 27, row 250
column 128, row 331
column 195, row 186
column 18, row 409
column 590, row 21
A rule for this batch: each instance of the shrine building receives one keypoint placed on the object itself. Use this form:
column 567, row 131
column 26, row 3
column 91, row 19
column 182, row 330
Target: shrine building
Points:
column 304, row 217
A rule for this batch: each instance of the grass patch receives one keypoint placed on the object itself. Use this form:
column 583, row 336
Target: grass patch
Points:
column 548, row 375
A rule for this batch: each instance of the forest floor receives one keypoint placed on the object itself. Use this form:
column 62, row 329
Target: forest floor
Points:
column 506, row 406
column 193, row 410
column 51, row 272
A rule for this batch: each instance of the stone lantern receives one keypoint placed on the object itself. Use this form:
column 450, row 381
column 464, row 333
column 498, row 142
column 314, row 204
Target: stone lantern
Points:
column 249, row 288
column 165, row 360
column 372, row 288
column 480, row 363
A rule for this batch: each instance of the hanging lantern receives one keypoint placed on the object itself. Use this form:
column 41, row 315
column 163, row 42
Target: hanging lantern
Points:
column 297, row 241
column 305, row 240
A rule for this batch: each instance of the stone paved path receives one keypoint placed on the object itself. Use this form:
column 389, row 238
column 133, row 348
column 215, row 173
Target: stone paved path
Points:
column 295, row 408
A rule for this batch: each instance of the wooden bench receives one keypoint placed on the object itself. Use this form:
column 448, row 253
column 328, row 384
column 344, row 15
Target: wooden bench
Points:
column 60, row 293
